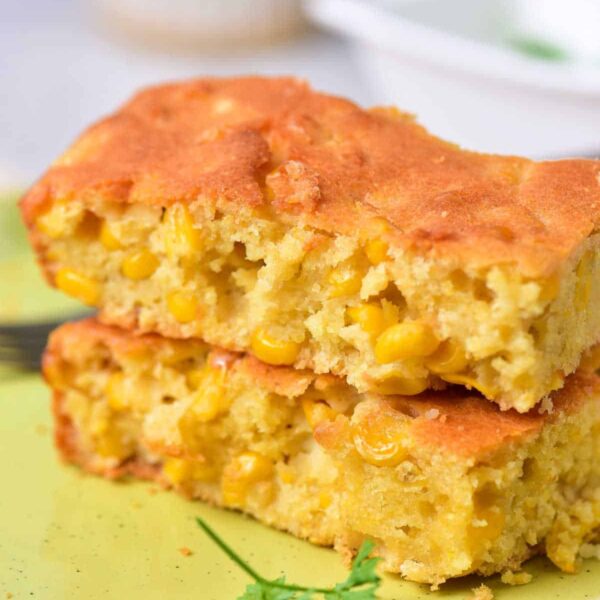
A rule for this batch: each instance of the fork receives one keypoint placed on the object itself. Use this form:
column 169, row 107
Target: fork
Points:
column 22, row 344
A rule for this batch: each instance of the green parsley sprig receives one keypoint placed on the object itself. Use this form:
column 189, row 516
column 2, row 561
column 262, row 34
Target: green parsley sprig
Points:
column 361, row 583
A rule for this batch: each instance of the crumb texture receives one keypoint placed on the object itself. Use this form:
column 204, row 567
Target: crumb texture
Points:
column 482, row 592
column 445, row 485
column 292, row 295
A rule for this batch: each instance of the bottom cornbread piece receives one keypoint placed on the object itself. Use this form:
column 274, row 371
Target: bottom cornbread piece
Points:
column 445, row 484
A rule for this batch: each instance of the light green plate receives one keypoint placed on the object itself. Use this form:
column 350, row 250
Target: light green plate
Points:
column 23, row 294
column 66, row 535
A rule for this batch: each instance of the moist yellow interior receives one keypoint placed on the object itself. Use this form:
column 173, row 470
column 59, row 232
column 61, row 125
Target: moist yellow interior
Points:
column 217, row 434
column 293, row 295
column 435, row 513
column 170, row 409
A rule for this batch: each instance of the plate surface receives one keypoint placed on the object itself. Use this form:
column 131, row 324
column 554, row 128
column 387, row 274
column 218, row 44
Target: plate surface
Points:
column 66, row 535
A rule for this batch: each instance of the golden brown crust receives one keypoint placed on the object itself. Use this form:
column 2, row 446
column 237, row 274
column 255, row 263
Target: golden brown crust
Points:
column 87, row 333
column 455, row 419
column 331, row 163
column 460, row 422
column 64, row 432
column 469, row 426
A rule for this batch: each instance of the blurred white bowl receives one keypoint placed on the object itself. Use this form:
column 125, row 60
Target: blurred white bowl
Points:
column 570, row 27
column 466, row 88
column 203, row 23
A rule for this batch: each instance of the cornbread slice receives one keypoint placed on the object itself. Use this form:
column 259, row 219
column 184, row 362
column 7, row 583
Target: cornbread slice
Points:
column 445, row 485
column 262, row 216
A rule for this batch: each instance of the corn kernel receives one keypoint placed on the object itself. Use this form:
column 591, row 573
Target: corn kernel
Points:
column 391, row 312
column 325, row 500
column 405, row 340
column 110, row 444
column 252, row 467
column 79, row 286
column 116, row 392
column 194, row 378
column 190, row 432
column 448, row 358
column 239, row 475
column 108, row 238
column 344, row 281
column 181, row 237
column 316, row 412
column 183, row 306
column 126, row 392
column 49, row 228
column 177, row 470
column 209, row 400
column 369, row 316
column 53, row 223
column 397, row 385
column 470, row 383
column 273, row 351
column 382, row 442
column 180, row 470
column 376, row 251
column 139, row 265
column 203, row 471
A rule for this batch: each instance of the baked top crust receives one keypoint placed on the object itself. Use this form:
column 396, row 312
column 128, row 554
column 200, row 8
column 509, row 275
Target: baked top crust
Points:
column 461, row 422
column 331, row 164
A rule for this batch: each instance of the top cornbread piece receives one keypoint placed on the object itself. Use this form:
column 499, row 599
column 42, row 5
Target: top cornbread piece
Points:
column 262, row 216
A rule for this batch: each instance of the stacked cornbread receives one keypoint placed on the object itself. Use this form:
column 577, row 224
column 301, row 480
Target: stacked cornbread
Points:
column 331, row 320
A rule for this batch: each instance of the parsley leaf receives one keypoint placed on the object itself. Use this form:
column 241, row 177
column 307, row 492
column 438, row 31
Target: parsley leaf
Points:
column 363, row 569
column 361, row 583
column 260, row 591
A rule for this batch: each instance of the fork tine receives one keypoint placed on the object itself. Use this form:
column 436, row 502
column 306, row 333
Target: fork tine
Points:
column 24, row 335
column 29, row 329
column 29, row 342
column 22, row 344
column 9, row 350
column 13, row 351
column 19, row 349
column 15, row 360
column 39, row 327
column 23, row 365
